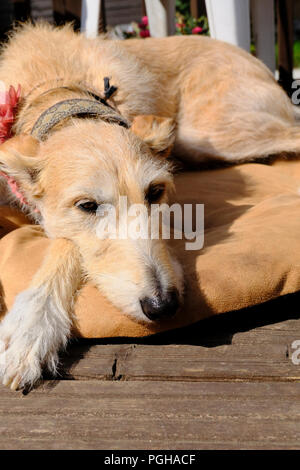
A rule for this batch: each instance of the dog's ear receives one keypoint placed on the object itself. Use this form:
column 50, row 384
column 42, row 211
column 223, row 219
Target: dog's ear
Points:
column 19, row 163
column 157, row 132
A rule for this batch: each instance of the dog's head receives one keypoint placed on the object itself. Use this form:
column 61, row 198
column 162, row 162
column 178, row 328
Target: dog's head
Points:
column 84, row 181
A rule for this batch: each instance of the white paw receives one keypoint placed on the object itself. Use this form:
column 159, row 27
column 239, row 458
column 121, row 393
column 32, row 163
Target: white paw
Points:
column 21, row 366
column 31, row 335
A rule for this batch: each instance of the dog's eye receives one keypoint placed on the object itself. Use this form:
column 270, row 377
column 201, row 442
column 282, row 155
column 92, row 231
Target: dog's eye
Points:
column 88, row 206
column 154, row 193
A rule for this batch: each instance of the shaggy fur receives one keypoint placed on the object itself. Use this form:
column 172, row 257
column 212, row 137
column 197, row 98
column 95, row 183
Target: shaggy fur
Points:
column 215, row 101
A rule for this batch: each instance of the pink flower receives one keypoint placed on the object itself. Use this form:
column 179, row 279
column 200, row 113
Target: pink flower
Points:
column 180, row 25
column 145, row 33
column 197, row 30
column 144, row 21
column 8, row 109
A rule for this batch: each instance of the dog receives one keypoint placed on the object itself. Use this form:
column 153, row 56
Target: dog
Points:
column 96, row 120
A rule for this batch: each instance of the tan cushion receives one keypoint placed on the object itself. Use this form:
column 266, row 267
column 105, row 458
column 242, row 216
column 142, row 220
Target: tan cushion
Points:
column 251, row 252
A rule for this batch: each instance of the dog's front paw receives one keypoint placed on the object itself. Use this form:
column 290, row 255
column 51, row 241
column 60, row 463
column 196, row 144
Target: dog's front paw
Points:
column 23, row 355
column 30, row 338
column 19, row 362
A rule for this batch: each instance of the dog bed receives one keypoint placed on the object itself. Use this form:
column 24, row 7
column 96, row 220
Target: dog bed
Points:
column 251, row 252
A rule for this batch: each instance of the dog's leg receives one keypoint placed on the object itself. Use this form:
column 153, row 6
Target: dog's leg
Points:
column 245, row 137
column 39, row 323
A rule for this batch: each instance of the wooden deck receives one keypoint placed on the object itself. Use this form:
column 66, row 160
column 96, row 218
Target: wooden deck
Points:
column 226, row 383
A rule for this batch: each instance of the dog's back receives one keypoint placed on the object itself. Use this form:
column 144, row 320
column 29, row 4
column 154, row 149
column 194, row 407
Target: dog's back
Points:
column 42, row 57
column 226, row 103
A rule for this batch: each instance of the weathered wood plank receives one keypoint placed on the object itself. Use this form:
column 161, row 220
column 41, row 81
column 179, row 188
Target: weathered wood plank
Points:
column 229, row 362
column 118, row 11
column 156, row 415
column 88, row 362
column 178, row 362
column 261, row 354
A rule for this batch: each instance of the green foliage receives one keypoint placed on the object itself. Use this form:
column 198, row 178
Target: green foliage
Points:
column 297, row 54
column 185, row 23
column 192, row 25
column 183, row 7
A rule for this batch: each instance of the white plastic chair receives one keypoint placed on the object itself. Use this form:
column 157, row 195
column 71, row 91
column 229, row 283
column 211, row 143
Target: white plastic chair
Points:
column 229, row 21
column 90, row 14
column 161, row 17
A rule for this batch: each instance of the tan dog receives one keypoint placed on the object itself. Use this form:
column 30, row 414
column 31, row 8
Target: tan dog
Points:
column 225, row 105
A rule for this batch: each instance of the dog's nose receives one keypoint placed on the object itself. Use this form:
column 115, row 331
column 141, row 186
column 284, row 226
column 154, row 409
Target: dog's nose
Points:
column 159, row 307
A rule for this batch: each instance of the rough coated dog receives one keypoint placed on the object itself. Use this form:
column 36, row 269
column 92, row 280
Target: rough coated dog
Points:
column 214, row 101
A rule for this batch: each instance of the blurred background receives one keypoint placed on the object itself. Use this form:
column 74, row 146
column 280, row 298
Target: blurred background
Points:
column 126, row 19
